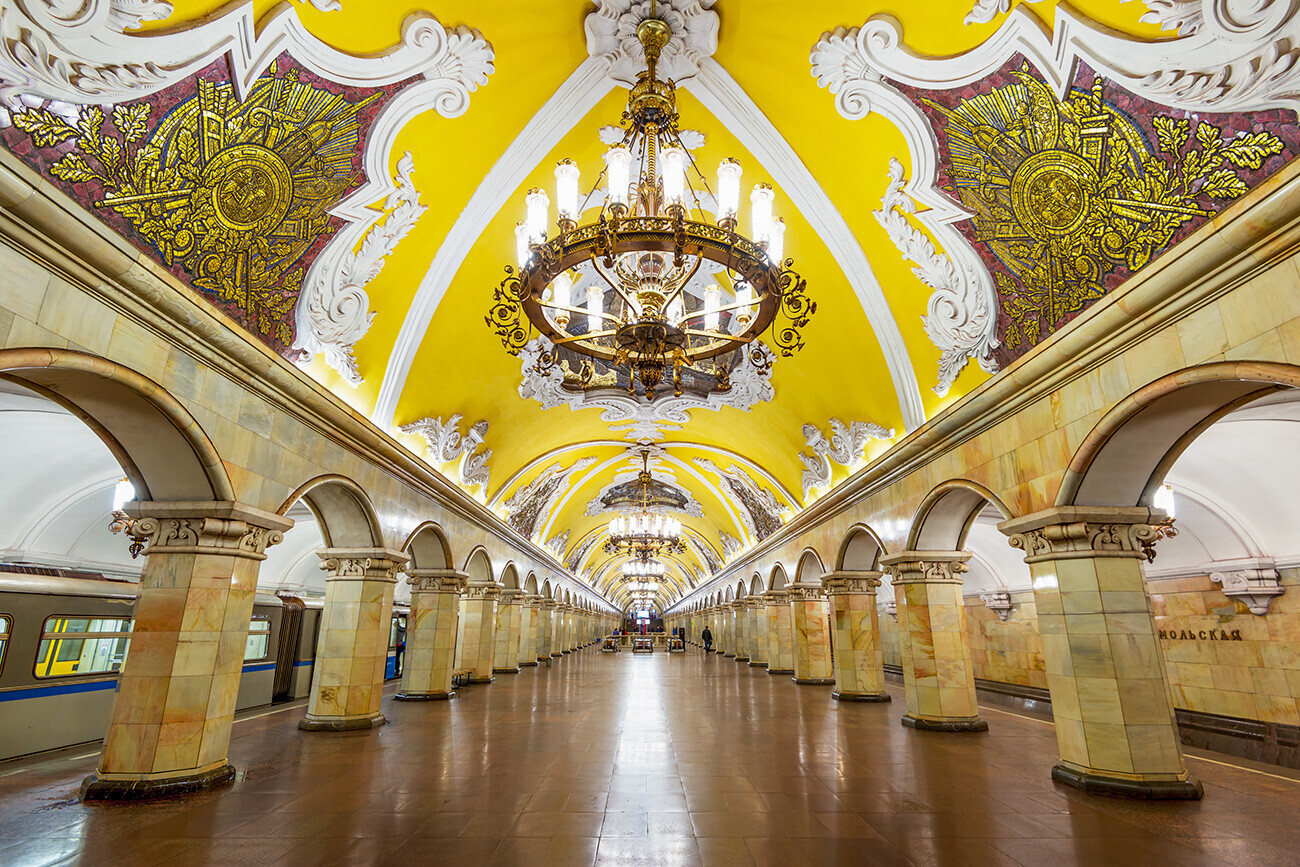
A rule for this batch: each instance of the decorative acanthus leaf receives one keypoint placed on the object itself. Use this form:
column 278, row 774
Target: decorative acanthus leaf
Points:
column 1223, row 184
column 73, row 169
column 44, row 126
column 1171, row 134
column 1249, row 150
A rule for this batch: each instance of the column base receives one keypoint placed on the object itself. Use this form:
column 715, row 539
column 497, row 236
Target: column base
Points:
column 728, row 655
column 341, row 723
column 479, row 679
column 526, row 664
column 754, row 664
column 425, row 696
column 116, row 788
column 555, row 654
column 968, row 724
column 542, row 659
column 514, row 670
column 861, row 696
column 565, row 651
column 780, row 671
column 1145, row 790
column 814, row 681
column 742, row 659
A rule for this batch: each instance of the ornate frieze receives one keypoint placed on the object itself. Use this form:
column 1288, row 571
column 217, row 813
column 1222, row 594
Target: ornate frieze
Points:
column 846, row 583
column 1075, row 532
column 926, row 567
column 362, row 564
column 845, row 446
column 435, row 580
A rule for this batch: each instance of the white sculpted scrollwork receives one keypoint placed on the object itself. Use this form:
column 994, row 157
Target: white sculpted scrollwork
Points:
column 334, row 309
column 611, row 36
column 445, row 445
column 844, row 446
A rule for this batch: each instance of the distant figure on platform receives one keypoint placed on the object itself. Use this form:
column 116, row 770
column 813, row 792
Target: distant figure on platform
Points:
column 707, row 637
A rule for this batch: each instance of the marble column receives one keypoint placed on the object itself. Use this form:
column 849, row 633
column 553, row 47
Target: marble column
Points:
column 566, row 624
column 758, row 633
column 855, row 636
column 809, row 616
column 557, row 628
column 169, row 730
column 780, row 640
column 352, row 642
column 1111, row 701
column 528, row 621
column 545, row 631
column 938, row 676
column 728, row 629
column 505, row 653
column 476, row 640
column 741, row 609
column 431, row 634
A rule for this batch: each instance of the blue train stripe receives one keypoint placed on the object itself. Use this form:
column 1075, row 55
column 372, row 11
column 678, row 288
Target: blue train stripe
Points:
column 59, row 689
column 265, row 666
column 301, row 662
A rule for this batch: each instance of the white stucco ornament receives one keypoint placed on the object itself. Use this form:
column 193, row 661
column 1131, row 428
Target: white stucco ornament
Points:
column 611, row 36
column 446, row 445
column 1255, row 588
column 845, row 446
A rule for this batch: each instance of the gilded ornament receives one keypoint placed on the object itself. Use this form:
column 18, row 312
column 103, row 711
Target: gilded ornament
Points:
column 233, row 192
column 1067, row 191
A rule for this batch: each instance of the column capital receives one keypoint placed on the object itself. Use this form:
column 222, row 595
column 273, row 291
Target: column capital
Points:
column 805, row 590
column 511, row 596
column 435, row 580
column 362, row 564
column 1073, row 532
column 847, row 583
column 203, row 527
column 484, row 590
column 926, row 567
column 548, row 604
column 533, row 599
column 776, row 597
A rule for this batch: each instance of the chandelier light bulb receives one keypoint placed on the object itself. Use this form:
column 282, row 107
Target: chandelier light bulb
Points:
column 760, row 214
column 562, row 289
column 728, row 189
column 776, row 240
column 744, row 295
column 539, row 205
column 566, row 189
column 595, row 298
column 521, row 244
column 676, row 310
column 712, row 298
column 674, row 162
column 618, row 165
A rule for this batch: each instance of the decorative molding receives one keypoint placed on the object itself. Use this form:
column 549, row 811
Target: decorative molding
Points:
column 961, row 318
column 659, row 474
column 759, row 512
column 926, row 567
column 444, row 444
column 435, row 580
column 221, row 536
column 640, row 420
column 845, row 583
column 845, row 446
column 611, row 37
column 529, row 506
column 999, row 602
column 557, row 545
column 334, row 309
column 891, row 608
column 361, row 564
column 1254, row 587
column 483, row 592
column 1074, row 532
column 985, row 11
column 731, row 546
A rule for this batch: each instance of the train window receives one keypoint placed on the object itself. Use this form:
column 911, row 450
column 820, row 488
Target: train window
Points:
column 397, row 633
column 82, row 645
column 258, row 645
column 5, row 623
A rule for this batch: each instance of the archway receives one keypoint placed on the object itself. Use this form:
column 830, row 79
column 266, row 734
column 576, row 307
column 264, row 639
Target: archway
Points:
column 860, row 551
column 945, row 516
column 429, row 548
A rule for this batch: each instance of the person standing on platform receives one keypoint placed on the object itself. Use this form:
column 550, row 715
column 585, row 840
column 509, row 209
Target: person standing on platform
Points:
column 707, row 637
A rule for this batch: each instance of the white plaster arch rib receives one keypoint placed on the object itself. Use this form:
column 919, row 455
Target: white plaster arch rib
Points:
column 578, row 95
column 727, row 101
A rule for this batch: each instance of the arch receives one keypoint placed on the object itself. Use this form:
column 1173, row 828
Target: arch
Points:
column 530, row 584
column 478, row 566
column 429, row 548
column 777, row 580
column 546, row 588
column 727, row 595
column 756, row 585
column 810, row 569
column 160, row 446
column 1124, row 458
column 343, row 510
column 946, row 514
column 860, row 551
column 510, row 576
column 740, row 589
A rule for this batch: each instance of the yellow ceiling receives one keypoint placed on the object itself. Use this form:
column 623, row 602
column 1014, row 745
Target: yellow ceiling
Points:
column 764, row 44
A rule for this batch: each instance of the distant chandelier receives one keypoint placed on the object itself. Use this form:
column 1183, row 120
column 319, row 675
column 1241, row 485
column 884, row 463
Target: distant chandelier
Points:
column 634, row 569
column 645, row 534
column 647, row 244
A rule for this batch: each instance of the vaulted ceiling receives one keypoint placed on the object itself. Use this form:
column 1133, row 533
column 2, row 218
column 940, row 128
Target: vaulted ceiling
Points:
column 868, row 359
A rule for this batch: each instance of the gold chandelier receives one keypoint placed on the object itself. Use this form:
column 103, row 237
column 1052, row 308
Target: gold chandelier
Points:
column 646, row 314
column 646, row 534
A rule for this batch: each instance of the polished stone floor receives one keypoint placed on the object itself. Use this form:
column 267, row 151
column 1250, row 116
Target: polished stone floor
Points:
column 630, row 760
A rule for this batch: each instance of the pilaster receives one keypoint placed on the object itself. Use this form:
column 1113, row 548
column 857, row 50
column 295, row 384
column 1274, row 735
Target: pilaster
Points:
column 169, row 731
column 938, row 674
column 1106, row 672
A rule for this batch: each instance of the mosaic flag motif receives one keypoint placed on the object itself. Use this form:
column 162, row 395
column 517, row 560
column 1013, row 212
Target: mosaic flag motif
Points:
column 233, row 196
column 1071, row 196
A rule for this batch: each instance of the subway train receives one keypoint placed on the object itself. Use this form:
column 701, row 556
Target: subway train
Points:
column 64, row 636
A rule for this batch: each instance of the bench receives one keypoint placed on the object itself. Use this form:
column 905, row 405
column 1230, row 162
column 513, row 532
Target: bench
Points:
column 460, row 677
